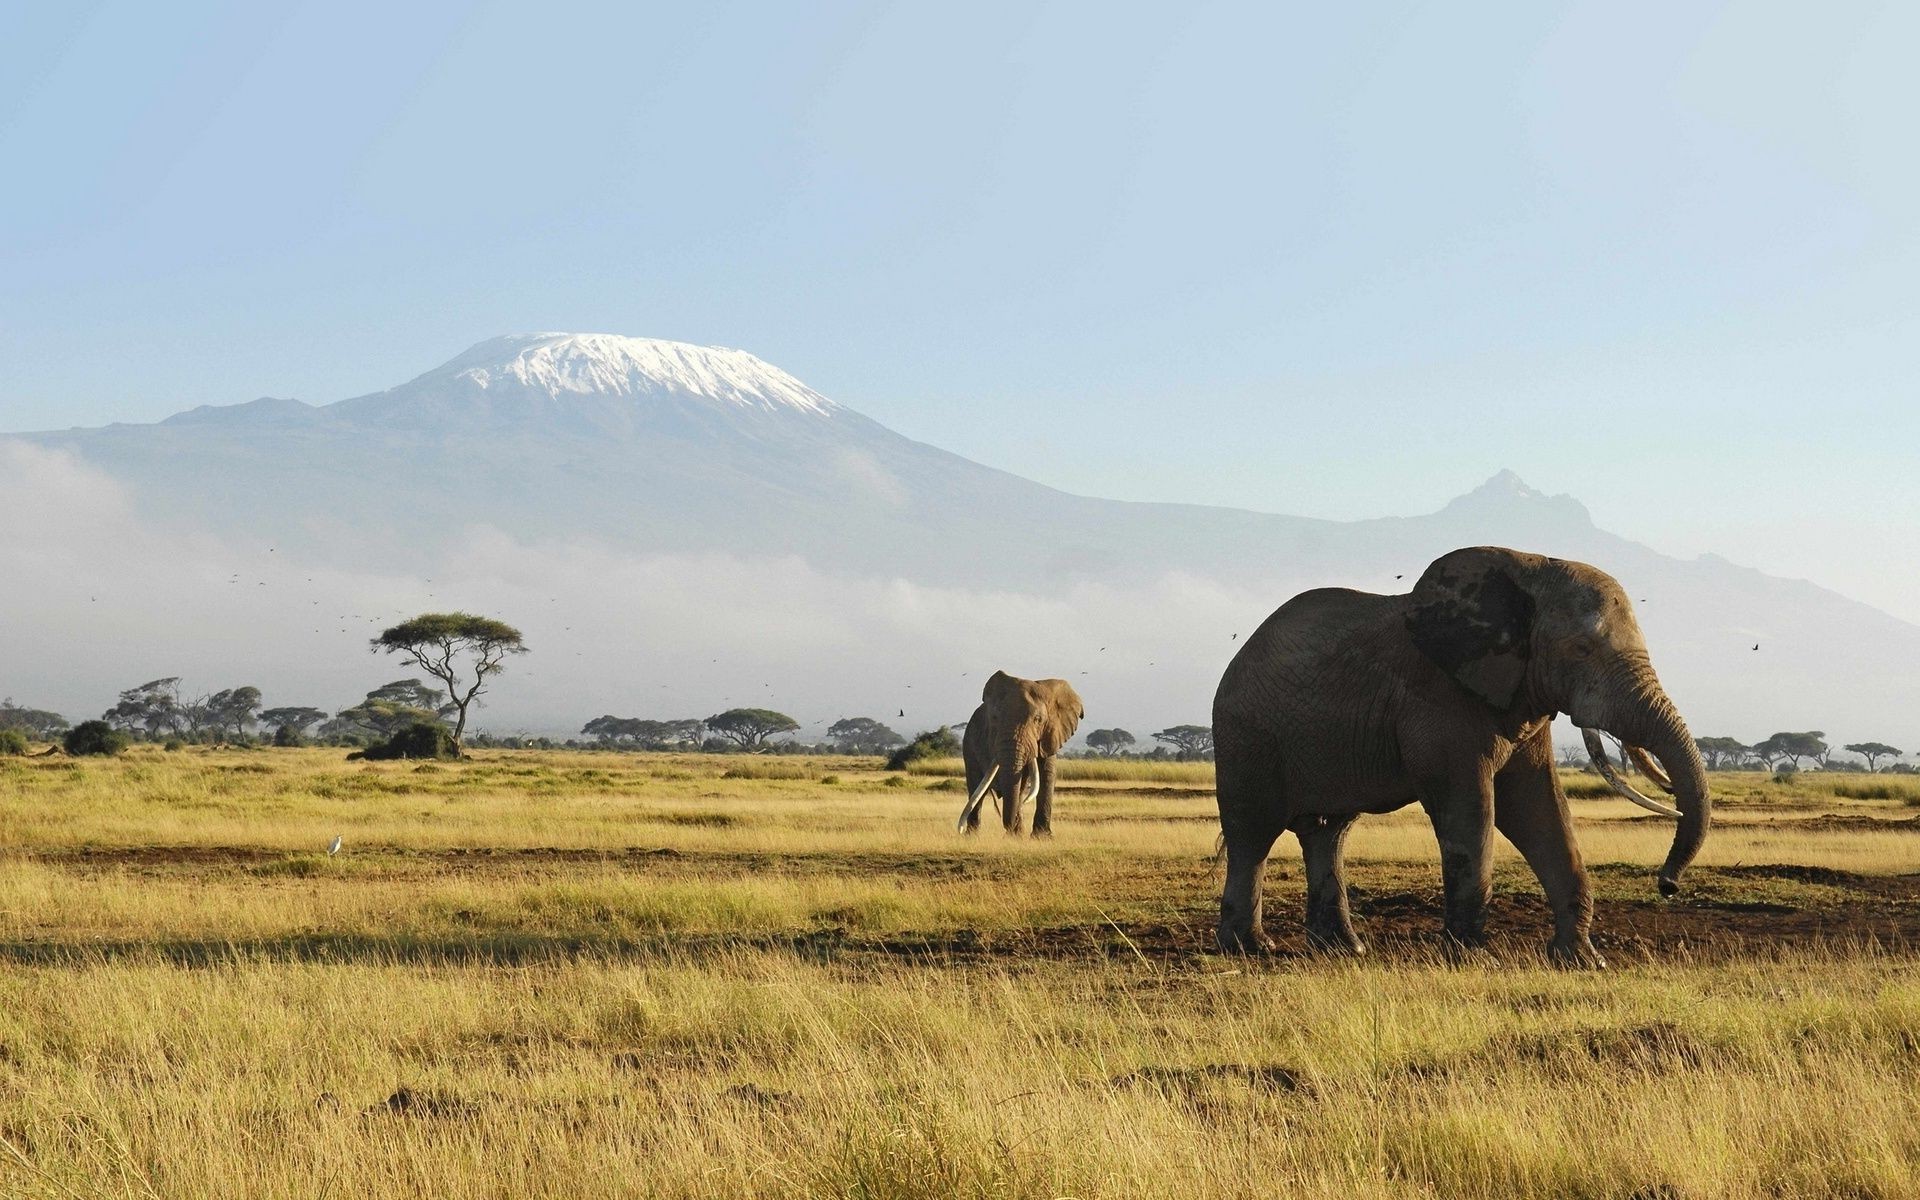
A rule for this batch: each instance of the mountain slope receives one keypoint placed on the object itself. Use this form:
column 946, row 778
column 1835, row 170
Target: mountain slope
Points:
column 650, row 447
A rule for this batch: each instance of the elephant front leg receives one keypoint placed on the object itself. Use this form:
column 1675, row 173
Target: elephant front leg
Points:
column 1462, row 816
column 1530, row 810
column 1043, row 802
column 1322, row 847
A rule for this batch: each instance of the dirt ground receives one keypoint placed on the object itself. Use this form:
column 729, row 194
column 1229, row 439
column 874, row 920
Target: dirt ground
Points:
column 1396, row 906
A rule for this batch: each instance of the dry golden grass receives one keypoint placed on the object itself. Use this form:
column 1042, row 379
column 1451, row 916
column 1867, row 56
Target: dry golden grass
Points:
column 616, row 975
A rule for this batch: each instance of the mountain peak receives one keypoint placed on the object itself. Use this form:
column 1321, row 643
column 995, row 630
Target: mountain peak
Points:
column 1507, row 493
column 613, row 364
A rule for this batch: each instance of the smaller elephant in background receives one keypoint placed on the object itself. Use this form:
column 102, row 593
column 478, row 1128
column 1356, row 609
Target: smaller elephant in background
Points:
column 1010, row 744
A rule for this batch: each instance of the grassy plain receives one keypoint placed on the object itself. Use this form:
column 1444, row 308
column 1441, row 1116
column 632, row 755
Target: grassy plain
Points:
column 535, row 974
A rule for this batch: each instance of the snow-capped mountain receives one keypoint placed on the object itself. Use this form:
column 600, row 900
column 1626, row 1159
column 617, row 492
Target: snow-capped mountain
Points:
column 540, row 375
column 641, row 447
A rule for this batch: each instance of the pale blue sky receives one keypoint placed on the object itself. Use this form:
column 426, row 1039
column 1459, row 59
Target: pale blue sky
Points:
column 1343, row 260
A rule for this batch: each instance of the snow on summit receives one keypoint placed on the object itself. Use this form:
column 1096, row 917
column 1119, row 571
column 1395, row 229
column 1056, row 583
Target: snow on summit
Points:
column 610, row 364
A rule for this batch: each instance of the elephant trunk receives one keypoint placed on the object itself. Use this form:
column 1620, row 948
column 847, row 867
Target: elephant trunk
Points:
column 1014, row 762
column 1643, row 717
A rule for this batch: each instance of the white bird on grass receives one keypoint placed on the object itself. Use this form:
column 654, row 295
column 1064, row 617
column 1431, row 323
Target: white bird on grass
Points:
column 335, row 847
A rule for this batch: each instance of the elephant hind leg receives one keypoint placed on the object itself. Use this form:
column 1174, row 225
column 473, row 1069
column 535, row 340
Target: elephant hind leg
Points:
column 1323, row 843
column 1251, row 819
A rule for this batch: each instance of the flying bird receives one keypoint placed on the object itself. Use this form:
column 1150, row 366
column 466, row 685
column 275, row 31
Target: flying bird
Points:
column 1756, row 645
column 903, row 712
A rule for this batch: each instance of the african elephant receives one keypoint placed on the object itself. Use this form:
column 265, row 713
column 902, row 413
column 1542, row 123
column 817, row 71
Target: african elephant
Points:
column 1012, row 738
column 1347, row 702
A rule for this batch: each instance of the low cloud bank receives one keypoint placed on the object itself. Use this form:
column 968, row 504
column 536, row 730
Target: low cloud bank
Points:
column 95, row 598
column 99, row 600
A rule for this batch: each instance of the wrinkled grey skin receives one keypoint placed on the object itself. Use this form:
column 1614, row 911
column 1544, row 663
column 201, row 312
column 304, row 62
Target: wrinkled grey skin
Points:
column 1021, row 724
column 1347, row 702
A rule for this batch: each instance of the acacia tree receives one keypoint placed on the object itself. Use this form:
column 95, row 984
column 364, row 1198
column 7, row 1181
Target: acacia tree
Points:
column 453, row 648
column 232, row 710
column 749, row 728
column 294, row 717
column 1722, row 751
column 390, row 708
column 1873, row 752
column 1109, row 741
column 1188, row 741
column 36, row 722
column 639, row 734
column 154, row 708
column 862, row 735
column 1793, row 747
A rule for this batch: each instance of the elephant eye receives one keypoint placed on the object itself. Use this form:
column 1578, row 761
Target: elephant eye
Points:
column 1581, row 647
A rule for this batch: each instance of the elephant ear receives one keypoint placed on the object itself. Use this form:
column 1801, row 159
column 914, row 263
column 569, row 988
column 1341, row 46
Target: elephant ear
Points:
column 1471, row 619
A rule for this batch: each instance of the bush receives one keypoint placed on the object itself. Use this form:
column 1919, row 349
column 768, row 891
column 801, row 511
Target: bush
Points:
column 934, row 743
column 13, row 743
column 174, row 744
column 287, row 736
column 95, row 737
column 422, row 739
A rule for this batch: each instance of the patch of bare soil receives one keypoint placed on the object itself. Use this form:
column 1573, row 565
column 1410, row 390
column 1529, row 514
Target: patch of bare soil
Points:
column 461, row 860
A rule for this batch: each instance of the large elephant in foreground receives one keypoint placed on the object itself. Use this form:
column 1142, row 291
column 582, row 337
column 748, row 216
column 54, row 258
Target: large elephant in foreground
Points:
column 1009, row 747
column 1347, row 702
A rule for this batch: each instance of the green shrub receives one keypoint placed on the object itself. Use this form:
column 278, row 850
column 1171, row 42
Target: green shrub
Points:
column 173, row 745
column 95, row 737
column 287, row 736
column 934, row 743
column 422, row 739
column 13, row 743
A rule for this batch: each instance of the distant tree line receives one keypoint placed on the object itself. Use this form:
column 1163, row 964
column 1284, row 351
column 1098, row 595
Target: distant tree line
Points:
column 739, row 730
column 162, row 710
column 1789, row 751
column 1179, row 743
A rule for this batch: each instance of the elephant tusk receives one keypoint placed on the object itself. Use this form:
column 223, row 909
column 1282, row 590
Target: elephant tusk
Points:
column 1033, row 786
column 1598, row 752
column 972, row 805
column 1651, row 768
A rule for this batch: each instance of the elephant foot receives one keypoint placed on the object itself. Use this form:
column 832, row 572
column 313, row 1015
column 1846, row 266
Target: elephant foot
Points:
column 1468, row 950
column 1042, row 831
column 1575, row 954
column 1336, row 941
column 1243, row 941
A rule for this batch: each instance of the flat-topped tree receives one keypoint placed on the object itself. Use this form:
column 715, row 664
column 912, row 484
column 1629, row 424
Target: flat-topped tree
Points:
column 455, row 648
column 749, row 728
column 1792, row 747
column 1188, row 741
column 1873, row 752
column 862, row 735
column 297, row 717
